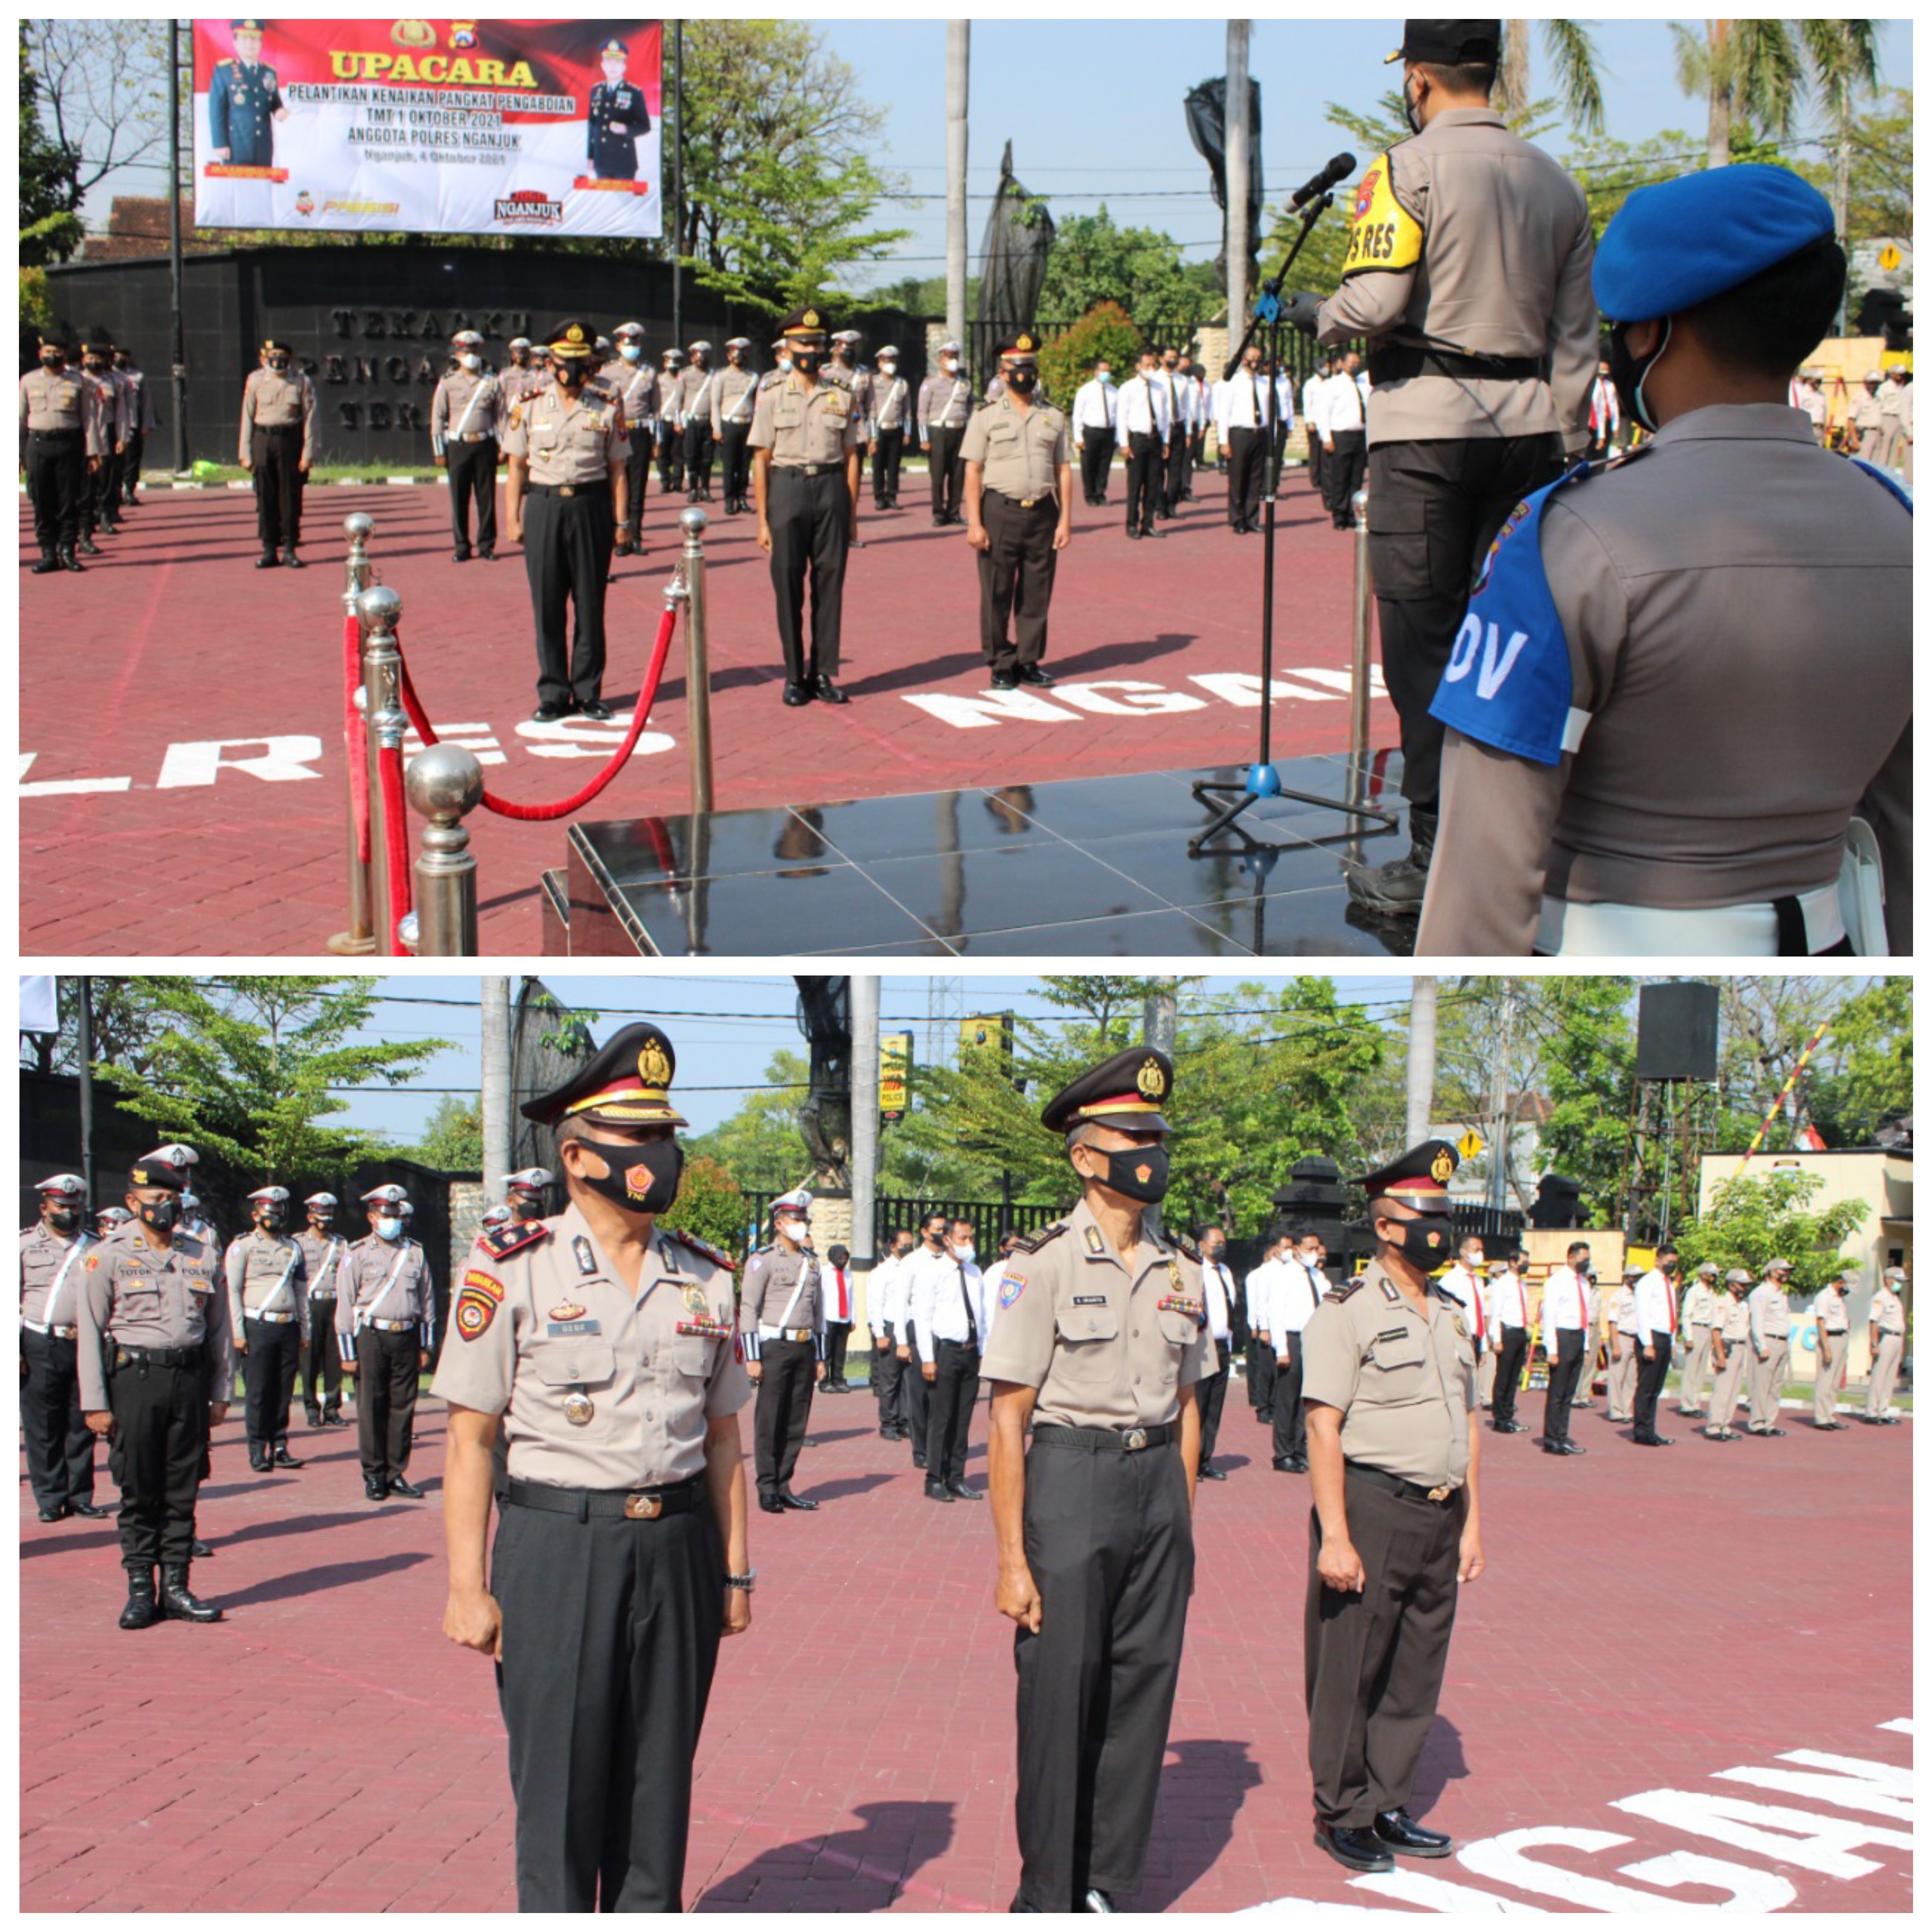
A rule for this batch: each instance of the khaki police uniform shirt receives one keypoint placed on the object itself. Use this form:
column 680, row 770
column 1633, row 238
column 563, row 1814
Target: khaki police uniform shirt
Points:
column 1733, row 1320
column 1700, row 1304
column 138, row 1297
column 765, row 1292
column 266, row 1275
column 1832, row 1312
column 270, row 401
column 323, row 1258
column 1868, row 415
column 51, row 1272
column 1022, row 453
column 635, row 386
column 105, row 393
column 1105, row 1348
column 1479, row 241
column 1405, row 1381
column 803, row 423
column 1888, row 1312
column 51, row 405
column 513, row 384
column 465, row 406
column 1621, row 1312
column 734, row 397
column 368, row 1270
column 1770, row 1307
column 945, row 401
column 889, row 401
column 565, row 441
column 553, row 1325
column 691, row 392
column 1703, row 589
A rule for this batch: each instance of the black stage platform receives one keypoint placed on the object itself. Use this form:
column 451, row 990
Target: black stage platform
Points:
column 1082, row 867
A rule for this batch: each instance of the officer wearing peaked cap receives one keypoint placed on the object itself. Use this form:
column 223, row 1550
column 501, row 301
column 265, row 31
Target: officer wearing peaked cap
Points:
column 277, row 447
column 269, row 1315
column 1624, row 608
column 734, row 396
column 782, row 1305
column 692, row 397
column 385, row 1326
column 466, row 419
column 632, row 380
column 1099, row 1342
column 526, row 1192
column 59, row 1444
column 324, row 1251
column 1389, row 1379
column 244, row 101
column 600, row 1345
column 619, row 114
column 945, row 404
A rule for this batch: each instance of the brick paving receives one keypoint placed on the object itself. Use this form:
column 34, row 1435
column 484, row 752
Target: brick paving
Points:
column 1648, row 1622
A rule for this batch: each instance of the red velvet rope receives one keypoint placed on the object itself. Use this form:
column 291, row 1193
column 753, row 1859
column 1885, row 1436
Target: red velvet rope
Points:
column 354, row 729
column 396, row 841
column 508, row 808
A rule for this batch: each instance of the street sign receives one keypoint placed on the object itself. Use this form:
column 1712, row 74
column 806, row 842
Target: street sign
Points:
column 895, row 1071
column 1470, row 1145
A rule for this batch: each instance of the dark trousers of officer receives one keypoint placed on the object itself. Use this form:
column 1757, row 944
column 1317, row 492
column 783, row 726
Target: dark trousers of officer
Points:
column 916, row 1393
column 1096, row 464
column 788, row 1372
column 1342, row 476
column 1291, row 1430
column 837, row 1335
column 276, row 456
column 734, row 459
column 1561, row 1391
column 57, row 479
column 131, row 463
column 1509, row 1354
column 1436, row 509
column 949, row 1410
column 472, row 479
column 321, row 1364
column 670, row 456
column 155, row 1456
column 567, row 546
column 1247, row 477
column 611, row 1632
column 697, row 449
column 1143, row 468
column 1016, row 570
column 810, row 519
column 948, row 468
column 1261, row 1376
column 888, row 447
column 887, row 1371
column 1110, row 1546
column 637, row 476
column 104, row 493
column 1210, row 1395
column 1650, row 1376
column 1374, row 1660
column 60, row 1445
column 387, row 1365
column 274, row 1356
column 1173, row 472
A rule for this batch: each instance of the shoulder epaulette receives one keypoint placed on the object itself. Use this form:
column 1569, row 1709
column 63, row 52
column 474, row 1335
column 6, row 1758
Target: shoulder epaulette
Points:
column 1031, row 1244
column 1354, row 1287
column 1185, row 1246
column 503, row 1242
column 703, row 1248
column 764, row 1248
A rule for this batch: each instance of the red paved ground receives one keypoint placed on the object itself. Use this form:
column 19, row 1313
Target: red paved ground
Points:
column 173, row 639
column 1648, row 1623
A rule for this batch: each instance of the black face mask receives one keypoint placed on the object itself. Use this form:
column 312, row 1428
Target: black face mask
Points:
column 1022, row 382
column 52, row 359
column 567, row 375
column 1410, row 112
column 1425, row 1241
column 161, row 1215
column 1140, row 1173
column 658, row 1167
column 269, row 1223
column 808, row 362
column 1627, row 373
column 280, row 363
column 63, row 1218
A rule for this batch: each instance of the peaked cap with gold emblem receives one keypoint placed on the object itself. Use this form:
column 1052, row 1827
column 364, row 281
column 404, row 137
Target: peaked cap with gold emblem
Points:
column 1418, row 1179
column 627, row 1083
column 1023, row 348
column 1126, row 1091
column 805, row 322
column 573, row 337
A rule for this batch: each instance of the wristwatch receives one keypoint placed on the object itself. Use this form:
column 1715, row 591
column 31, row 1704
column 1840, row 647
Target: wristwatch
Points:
column 744, row 1582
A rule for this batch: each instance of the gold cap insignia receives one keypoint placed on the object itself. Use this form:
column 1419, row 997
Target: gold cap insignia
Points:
column 575, row 334
column 812, row 318
column 653, row 1065
column 1442, row 1167
column 1023, row 342
column 1151, row 1080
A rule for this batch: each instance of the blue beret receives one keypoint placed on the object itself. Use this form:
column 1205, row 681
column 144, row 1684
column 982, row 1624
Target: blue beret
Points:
column 1672, row 246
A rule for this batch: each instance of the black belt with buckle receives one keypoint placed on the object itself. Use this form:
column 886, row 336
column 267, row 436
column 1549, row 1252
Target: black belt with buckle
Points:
column 1396, row 361
column 807, row 468
column 55, row 435
column 568, row 489
column 638, row 1505
column 478, row 435
column 1400, row 1486
column 156, row 1358
column 1122, row 1442
column 1026, row 502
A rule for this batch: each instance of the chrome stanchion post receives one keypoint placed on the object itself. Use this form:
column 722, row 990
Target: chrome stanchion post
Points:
column 380, row 609
column 697, row 656
column 444, row 784
column 360, row 936
column 1358, row 660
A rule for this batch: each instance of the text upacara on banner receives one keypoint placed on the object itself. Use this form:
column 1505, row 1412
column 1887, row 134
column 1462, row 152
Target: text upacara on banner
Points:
column 429, row 127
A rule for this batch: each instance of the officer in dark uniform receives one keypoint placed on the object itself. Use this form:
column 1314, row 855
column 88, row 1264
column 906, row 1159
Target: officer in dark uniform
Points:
column 1468, row 269
column 61, row 439
column 601, row 1344
column 1389, row 1381
column 323, row 1253
column 244, row 101
column 156, row 1370
column 59, row 1444
column 1099, row 1341
column 618, row 116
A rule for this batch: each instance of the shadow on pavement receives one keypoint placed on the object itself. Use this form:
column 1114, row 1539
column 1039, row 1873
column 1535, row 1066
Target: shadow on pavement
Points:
column 1199, row 1799
column 862, row 1869
column 329, row 1577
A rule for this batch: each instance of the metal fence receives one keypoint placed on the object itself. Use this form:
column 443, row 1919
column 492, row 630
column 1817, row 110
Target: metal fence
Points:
column 990, row 1219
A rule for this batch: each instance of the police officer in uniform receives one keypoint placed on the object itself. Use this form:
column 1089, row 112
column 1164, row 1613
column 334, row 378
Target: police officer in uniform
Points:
column 1770, row 1305
column 804, row 469
column 59, row 1443
column 670, row 437
column 526, row 1192
column 156, row 1370
column 244, row 101
column 1886, row 1317
column 889, row 410
column 141, row 418
column 111, row 402
column 385, row 1327
column 1389, row 1376
column 618, row 116
column 633, row 382
column 781, row 1304
column 1019, row 515
column 519, row 379
column 323, row 1252
column 60, row 446
column 734, row 395
column 466, row 415
column 1688, row 602
column 695, row 382
column 1730, row 1351
column 1100, row 1341
column 945, row 402
column 1700, row 1308
column 568, row 454
column 1468, row 269
column 1832, row 1314
column 600, row 1344
column 269, row 1317
column 277, row 448
column 845, row 362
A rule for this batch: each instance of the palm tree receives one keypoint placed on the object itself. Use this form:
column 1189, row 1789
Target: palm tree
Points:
column 1569, row 49
column 1759, row 71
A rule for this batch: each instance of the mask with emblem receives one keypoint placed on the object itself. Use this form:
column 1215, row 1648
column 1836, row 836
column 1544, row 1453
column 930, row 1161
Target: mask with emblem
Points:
column 640, row 1179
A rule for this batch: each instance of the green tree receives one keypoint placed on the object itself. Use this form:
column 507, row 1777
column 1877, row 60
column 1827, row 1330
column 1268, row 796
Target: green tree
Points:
column 1587, row 1034
column 1066, row 361
column 761, row 1146
column 49, row 229
column 1756, row 75
column 1572, row 54
column 1748, row 1220
column 452, row 1138
column 710, row 1204
column 1093, row 261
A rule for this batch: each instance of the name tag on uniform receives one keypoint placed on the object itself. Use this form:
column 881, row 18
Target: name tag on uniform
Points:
column 1093, row 1301
column 1392, row 1335
column 712, row 1330
column 589, row 1328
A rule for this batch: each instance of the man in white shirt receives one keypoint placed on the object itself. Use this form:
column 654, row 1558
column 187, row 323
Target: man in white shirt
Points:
column 1606, row 419
column 1241, row 421
column 951, row 1315
column 1509, row 1316
column 1298, row 1286
column 1142, row 422
column 914, row 1351
column 1094, row 406
column 1656, row 1324
column 1461, row 1281
column 1344, row 442
column 1257, row 1303
column 885, row 1313
column 1176, row 390
column 1217, row 1286
column 1565, row 1316
column 1313, row 392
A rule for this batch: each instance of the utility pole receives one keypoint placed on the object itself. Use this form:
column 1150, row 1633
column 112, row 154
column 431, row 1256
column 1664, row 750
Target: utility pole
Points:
column 86, row 1046
column 177, row 349
column 1841, row 188
column 1499, row 1103
column 865, row 1114
column 497, row 1141
column 677, row 185
column 1239, row 158
column 1158, row 1017
column 958, row 48
column 1421, row 1056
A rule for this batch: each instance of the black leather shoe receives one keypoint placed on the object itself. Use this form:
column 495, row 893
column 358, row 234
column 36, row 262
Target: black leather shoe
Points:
column 1032, row 674
column 1209, row 1473
column 267, row 560
column 92, row 1510
column 283, row 1459
column 548, row 714
column 88, row 548
column 771, row 1505
column 1653, row 1442
column 1395, row 890
column 1552, row 1448
column 178, row 1602
column 199, row 1548
column 108, row 527
column 596, row 710
column 1002, row 680
column 798, row 694
column 1510, row 1428
column 1400, row 1832
column 141, row 1610
column 463, row 556
column 314, row 1418
column 918, row 1462
column 488, row 556
column 1349, row 1845
column 375, row 1489
column 1094, row 1900
column 965, row 1491
column 56, row 1515
column 69, row 562
column 48, row 564
column 794, row 1502
column 938, row 1493
column 1773, row 1431
column 1283, row 1465
column 828, row 692
column 1574, row 1449
column 293, row 561
column 400, row 1486
column 260, row 1464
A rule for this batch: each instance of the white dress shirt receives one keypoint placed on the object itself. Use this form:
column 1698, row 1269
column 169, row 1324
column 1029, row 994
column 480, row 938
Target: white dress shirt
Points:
column 1509, row 1304
column 1466, row 1290
column 1142, row 408
column 1284, row 400
column 885, row 1297
column 1341, row 406
column 1257, row 1298
column 1312, row 393
column 1241, row 402
column 1565, row 1304
column 1296, row 1295
column 1656, row 1309
column 1218, row 1285
column 944, row 1289
column 1094, row 404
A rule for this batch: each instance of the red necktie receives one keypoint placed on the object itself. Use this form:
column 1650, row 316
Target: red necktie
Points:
column 1582, row 1301
column 1476, row 1290
column 1670, row 1296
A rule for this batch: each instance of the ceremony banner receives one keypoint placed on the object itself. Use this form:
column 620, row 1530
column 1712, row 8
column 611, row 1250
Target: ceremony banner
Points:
column 429, row 127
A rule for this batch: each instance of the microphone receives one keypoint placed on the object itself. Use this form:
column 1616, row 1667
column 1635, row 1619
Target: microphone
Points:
column 1338, row 170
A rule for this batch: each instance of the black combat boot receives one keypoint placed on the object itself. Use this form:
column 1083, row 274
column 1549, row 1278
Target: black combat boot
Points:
column 141, row 1610
column 1396, row 889
column 176, row 1601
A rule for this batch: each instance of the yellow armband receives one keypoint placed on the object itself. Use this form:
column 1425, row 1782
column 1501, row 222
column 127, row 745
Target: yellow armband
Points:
column 1382, row 233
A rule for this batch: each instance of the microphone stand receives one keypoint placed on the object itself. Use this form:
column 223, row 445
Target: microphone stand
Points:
column 1263, row 781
